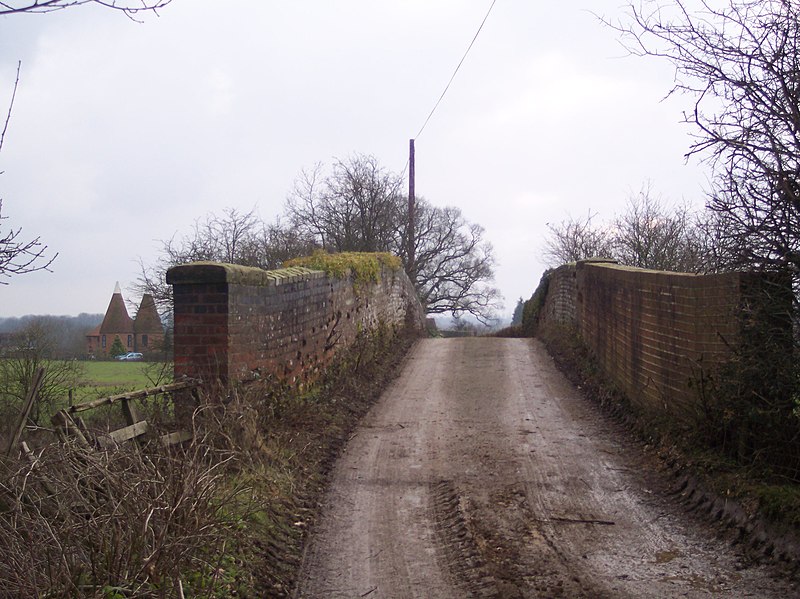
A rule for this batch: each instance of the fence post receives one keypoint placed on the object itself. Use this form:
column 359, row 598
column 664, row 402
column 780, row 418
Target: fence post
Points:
column 38, row 377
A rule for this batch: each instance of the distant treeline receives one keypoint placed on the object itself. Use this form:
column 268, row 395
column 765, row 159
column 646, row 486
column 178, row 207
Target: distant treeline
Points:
column 64, row 335
column 81, row 321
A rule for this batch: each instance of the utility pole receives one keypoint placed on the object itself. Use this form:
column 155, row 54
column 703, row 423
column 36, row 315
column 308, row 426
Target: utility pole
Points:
column 410, row 266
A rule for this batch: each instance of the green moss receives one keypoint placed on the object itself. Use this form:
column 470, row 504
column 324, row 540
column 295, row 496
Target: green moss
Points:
column 364, row 267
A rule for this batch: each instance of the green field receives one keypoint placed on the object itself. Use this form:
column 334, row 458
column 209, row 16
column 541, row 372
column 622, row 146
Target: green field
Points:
column 108, row 378
column 83, row 381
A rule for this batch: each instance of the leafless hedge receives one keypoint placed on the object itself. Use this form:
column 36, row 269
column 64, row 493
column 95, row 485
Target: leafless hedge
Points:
column 130, row 522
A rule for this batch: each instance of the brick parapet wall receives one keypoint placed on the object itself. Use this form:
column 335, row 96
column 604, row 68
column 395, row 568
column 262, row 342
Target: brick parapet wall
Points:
column 652, row 332
column 559, row 303
column 236, row 323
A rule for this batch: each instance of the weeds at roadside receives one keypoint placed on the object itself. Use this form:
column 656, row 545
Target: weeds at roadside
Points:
column 225, row 516
column 289, row 439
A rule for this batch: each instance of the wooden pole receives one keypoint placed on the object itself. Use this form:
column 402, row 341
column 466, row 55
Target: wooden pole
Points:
column 26, row 409
column 410, row 266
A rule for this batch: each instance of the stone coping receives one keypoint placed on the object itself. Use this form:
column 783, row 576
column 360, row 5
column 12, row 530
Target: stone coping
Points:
column 218, row 272
column 636, row 269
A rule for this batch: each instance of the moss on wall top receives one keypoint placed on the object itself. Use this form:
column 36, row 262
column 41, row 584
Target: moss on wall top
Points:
column 364, row 266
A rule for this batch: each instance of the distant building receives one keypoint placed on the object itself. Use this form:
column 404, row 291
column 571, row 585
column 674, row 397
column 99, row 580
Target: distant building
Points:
column 144, row 334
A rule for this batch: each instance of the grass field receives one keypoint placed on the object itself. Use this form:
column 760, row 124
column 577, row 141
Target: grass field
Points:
column 95, row 379
column 108, row 378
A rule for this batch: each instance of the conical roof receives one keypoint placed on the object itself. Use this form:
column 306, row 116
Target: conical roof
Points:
column 116, row 319
column 147, row 320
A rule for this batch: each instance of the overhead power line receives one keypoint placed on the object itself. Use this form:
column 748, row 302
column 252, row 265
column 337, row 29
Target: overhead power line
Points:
column 439, row 101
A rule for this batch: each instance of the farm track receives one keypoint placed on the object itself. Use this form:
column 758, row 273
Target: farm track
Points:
column 482, row 472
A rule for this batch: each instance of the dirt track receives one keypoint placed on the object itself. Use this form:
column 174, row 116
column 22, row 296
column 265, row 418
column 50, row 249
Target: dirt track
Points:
column 482, row 473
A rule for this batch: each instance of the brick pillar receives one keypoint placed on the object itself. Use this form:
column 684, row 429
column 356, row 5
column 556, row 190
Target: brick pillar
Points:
column 201, row 336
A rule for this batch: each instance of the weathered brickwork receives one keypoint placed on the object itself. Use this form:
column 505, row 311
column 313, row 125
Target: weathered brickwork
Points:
column 235, row 323
column 652, row 332
column 562, row 293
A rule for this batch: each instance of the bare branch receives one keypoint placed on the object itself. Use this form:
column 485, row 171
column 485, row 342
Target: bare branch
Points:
column 576, row 239
column 44, row 6
column 739, row 62
column 10, row 106
column 18, row 257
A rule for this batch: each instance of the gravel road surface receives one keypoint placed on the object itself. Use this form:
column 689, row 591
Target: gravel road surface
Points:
column 482, row 472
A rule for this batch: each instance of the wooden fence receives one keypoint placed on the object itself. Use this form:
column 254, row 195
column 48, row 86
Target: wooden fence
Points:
column 69, row 425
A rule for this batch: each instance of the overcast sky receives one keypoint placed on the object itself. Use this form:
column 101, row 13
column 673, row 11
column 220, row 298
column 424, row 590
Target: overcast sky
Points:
column 124, row 133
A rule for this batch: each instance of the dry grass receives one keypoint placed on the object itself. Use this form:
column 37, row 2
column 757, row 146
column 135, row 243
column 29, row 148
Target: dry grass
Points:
column 125, row 523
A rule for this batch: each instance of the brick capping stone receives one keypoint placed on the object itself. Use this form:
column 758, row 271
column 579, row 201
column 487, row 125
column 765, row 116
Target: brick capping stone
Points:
column 235, row 323
column 218, row 272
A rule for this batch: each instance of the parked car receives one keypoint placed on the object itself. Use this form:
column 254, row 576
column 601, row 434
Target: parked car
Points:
column 131, row 355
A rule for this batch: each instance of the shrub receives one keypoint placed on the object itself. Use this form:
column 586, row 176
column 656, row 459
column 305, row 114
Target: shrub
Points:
column 117, row 349
column 129, row 522
column 532, row 308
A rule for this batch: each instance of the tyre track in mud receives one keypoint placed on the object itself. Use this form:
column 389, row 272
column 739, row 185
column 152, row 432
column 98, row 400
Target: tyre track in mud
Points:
column 482, row 472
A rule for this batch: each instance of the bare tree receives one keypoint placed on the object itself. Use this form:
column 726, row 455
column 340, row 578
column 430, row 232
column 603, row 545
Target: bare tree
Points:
column 650, row 235
column 130, row 8
column 221, row 238
column 68, row 333
column 739, row 61
column 647, row 234
column 576, row 239
column 359, row 207
column 355, row 208
column 454, row 265
column 232, row 237
column 34, row 346
column 275, row 243
column 215, row 238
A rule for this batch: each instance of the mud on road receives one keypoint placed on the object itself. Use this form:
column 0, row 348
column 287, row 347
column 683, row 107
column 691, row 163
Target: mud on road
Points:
column 482, row 472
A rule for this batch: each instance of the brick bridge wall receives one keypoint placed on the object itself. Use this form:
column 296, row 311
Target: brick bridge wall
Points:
column 559, row 305
column 235, row 323
column 652, row 331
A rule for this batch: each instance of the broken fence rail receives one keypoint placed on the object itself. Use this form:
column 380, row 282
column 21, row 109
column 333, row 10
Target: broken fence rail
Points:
column 67, row 426
column 140, row 394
